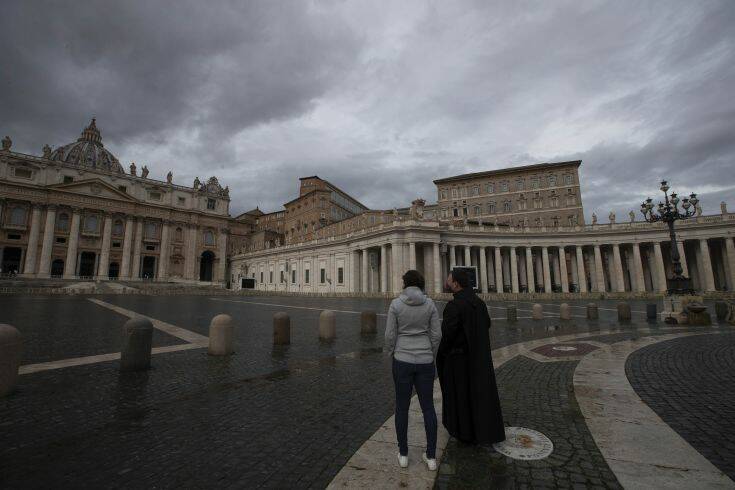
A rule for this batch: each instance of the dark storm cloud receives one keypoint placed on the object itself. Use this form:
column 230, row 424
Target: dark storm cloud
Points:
column 383, row 100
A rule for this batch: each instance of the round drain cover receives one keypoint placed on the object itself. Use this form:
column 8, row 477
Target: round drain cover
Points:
column 524, row 444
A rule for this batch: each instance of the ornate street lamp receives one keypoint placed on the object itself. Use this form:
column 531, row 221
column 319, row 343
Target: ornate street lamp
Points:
column 669, row 212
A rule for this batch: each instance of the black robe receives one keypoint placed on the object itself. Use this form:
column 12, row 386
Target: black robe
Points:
column 470, row 403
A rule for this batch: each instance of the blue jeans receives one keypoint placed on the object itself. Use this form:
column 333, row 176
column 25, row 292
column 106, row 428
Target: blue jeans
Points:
column 406, row 376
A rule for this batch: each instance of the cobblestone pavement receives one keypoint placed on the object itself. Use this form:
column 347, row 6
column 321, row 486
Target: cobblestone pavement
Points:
column 690, row 384
column 264, row 417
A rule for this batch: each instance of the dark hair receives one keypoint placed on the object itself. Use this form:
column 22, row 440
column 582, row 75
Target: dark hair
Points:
column 461, row 277
column 413, row 278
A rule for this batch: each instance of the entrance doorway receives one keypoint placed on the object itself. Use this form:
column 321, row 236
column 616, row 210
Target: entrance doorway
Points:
column 57, row 268
column 114, row 271
column 206, row 265
column 11, row 260
column 86, row 264
column 148, row 271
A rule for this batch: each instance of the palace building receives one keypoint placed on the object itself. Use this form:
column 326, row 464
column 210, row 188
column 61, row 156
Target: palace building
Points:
column 74, row 212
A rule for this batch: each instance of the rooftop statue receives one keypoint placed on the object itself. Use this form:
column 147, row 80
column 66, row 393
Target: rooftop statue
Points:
column 594, row 219
column 723, row 207
column 144, row 172
column 169, row 177
column 133, row 169
column 46, row 151
column 611, row 217
column 7, row 143
column 632, row 216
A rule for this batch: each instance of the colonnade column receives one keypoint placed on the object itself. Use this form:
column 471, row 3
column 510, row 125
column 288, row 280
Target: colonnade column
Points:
column 709, row 278
column 498, row 270
column 563, row 270
column 44, row 266
column 599, row 272
column 659, row 267
column 70, row 265
column 396, row 256
column 32, row 251
column 618, row 266
column 437, row 268
column 135, row 274
column 364, row 271
column 682, row 258
column 513, row 270
column 452, row 257
column 165, row 250
column 581, row 275
column 530, row 280
column 103, row 268
column 127, row 242
column 222, row 255
column 730, row 258
column 412, row 255
column 640, row 284
column 547, row 271
column 384, row 268
column 483, row 270
column 467, row 256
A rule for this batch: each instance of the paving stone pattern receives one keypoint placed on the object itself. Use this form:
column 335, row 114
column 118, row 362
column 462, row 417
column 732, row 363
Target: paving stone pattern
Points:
column 690, row 384
column 538, row 396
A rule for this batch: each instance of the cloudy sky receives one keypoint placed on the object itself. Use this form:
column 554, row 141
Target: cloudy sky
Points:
column 381, row 98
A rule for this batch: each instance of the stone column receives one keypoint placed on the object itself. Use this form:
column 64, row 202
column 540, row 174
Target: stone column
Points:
column 581, row 275
column 498, row 270
column 164, row 256
column 222, row 269
column 2, row 207
column 467, row 255
column 730, row 258
column 44, row 266
column 706, row 268
column 364, row 271
column 563, row 270
column 599, row 272
column 659, row 267
column 396, row 253
column 412, row 255
column 127, row 243
column 618, row 266
column 452, row 257
column 437, row 268
column 640, row 283
column 32, row 251
column 547, row 271
column 103, row 267
column 70, row 265
column 384, row 268
column 483, row 270
column 135, row 274
column 490, row 271
column 682, row 258
column 530, row 281
column 513, row 270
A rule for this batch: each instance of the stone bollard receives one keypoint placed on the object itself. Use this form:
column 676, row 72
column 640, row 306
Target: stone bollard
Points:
column 623, row 312
column 511, row 314
column 651, row 313
column 592, row 311
column 11, row 351
column 135, row 354
column 368, row 323
column 565, row 312
column 221, row 336
column 537, row 312
column 327, row 325
column 721, row 311
column 281, row 329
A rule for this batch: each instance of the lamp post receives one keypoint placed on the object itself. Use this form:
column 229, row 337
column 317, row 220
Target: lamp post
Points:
column 669, row 212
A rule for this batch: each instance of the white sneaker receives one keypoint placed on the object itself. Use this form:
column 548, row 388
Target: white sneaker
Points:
column 431, row 463
column 403, row 461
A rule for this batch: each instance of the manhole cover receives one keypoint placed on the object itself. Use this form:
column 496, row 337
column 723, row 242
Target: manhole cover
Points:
column 524, row 444
column 565, row 348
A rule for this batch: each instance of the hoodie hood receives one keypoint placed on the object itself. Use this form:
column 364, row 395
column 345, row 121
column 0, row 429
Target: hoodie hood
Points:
column 413, row 296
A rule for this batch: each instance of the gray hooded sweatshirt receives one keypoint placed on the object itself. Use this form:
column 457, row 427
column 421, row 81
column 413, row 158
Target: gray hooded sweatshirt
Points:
column 413, row 330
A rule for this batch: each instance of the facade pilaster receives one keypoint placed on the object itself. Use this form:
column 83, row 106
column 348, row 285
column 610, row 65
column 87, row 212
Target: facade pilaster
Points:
column 135, row 274
column 70, row 264
column 190, row 260
column 659, row 267
column 482, row 270
column 513, row 270
column 103, row 268
column 618, row 266
column 33, row 236
column 706, row 266
column 640, row 284
column 547, row 271
column 127, row 244
column 599, row 271
column 563, row 270
column 164, row 256
column 44, row 265
column 581, row 274
column 530, row 282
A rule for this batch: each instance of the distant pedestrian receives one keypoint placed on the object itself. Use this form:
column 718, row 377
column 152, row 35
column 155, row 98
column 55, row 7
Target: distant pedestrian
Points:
column 470, row 402
column 412, row 335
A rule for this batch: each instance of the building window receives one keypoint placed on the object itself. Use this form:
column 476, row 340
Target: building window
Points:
column 519, row 184
column 521, row 204
column 552, row 180
column 117, row 228
column 211, row 204
column 490, row 188
column 507, row 206
column 571, row 200
column 13, row 236
column 534, row 183
column 154, row 196
column 182, row 201
column 568, row 179
column 554, row 202
column 208, row 238
column 150, row 248
column 22, row 173
column 281, row 278
column 476, row 190
column 293, row 276
column 306, row 276
column 491, row 208
column 454, row 193
column 503, row 187
column 68, row 179
column 477, row 210
column 464, row 211
column 322, row 276
column 261, row 276
column 62, row 223
column 151, row 230
column 116, row 244
column 60, row 239
column 443, row 195
column 90, row 224
column 122, row 188
column 270, row 277
column 340, row 275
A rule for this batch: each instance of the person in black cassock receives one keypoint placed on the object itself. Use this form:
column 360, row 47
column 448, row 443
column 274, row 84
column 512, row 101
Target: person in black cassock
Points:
column 470, row 403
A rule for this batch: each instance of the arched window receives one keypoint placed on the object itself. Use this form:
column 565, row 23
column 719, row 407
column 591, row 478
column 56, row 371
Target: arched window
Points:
column 208, row 238
column 90, row 224
column 117, row 228
column 18, row 216
column 62, row 223
column 179, row 235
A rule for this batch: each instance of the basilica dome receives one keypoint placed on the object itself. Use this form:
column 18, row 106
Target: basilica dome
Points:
column 88, row 152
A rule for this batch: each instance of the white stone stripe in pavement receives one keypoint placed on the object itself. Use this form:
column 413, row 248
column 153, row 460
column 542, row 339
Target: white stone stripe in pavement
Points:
column 640, row 448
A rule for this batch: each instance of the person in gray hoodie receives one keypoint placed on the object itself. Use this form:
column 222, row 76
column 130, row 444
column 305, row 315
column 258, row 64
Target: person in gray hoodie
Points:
column 412, row 336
